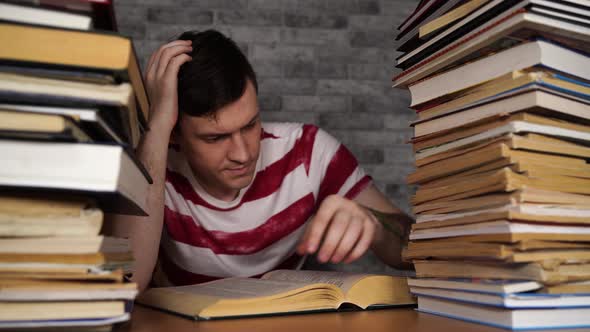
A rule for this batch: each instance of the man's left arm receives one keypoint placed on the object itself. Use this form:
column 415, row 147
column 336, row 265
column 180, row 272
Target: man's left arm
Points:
column 342, row 230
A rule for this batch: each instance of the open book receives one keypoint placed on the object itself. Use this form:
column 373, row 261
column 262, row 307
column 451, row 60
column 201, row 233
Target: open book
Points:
column 279, row 292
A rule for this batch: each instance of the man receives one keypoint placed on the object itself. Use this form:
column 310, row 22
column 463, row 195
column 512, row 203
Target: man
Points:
column 235, row 197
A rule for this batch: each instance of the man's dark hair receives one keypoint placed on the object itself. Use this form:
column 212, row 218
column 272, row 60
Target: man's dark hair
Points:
column 215, row 77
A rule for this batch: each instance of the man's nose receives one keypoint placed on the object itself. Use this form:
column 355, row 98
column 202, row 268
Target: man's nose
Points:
column 238, row 151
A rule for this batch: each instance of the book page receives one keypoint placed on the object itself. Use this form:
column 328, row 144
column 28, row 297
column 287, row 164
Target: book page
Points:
column 240, row 288
column 344, row 280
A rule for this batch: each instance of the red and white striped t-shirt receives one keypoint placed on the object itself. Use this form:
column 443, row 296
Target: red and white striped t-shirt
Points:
column 205, row 238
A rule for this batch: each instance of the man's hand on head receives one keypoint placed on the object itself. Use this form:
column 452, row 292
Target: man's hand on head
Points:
column 162, row 81
column 341, row 231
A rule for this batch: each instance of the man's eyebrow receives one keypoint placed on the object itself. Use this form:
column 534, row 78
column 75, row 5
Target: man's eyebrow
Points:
column 254, row 118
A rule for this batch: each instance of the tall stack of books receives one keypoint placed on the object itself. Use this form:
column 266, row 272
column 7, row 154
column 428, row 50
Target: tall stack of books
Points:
column 502, row 142
column 72, row 109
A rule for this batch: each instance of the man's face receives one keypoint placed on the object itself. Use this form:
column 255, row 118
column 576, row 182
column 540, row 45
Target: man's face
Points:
column 222, row 151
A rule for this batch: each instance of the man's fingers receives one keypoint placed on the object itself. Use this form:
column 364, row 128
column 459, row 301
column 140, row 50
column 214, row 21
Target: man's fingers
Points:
column 351, row 236
column 336, row 230
column 174, row 65
column 318, row 225
column 363, row 243
column 167, row 55
column 155, row 58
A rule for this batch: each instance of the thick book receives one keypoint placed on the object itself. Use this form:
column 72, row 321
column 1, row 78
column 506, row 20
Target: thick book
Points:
column 548, row 272
column 57, row 290
column 65, row 245
column 539, row 53
column 44, row 310
column 449, row 17
column 101, row 124
column 492, row 286
column 106, row 172
column 525, row 195
column 518, row 135
column 500, row 33
column 38, row 15
column 50, row 127
column 279, row 292
column 517, row 319
column 526, row 212
column 45, row 91
column 510, row 301
column 503, row 231
column 491, row 124
column 488, row 154
column 503, row 84
column 72, row 49
column 37, row 216
column 496, row 251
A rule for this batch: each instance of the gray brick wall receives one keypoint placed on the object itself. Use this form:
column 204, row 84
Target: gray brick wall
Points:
column 327, row 62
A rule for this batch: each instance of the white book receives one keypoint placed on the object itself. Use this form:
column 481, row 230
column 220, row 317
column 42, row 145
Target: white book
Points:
column 523, row 208
column 513, row 301
column 512, row 127
column 64, row 245
column 495, row 227
column 516, row 58
column 531, row 99
column 492, row 286
column 105, row 171
column 44, row 16
column 516, row 319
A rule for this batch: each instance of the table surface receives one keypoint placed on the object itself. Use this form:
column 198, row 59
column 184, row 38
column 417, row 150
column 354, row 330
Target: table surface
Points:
column 390, row 320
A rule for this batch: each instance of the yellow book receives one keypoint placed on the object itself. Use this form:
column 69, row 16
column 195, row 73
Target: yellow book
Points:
column 279, row 292
column 75, row 49
column 547, row 272
column 450, row 17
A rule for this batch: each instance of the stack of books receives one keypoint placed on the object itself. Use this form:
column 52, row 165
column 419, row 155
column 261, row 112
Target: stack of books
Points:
column 72, row 109
column 502, row 142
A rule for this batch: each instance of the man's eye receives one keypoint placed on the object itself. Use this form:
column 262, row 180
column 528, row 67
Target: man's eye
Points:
column 214, row 139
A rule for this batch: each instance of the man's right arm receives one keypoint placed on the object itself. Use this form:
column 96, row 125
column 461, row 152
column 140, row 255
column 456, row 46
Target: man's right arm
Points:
column 145, row 232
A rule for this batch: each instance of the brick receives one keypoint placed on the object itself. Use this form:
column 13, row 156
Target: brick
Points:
column 351, row 121
column 267, row 68
column 368, row 155
column 399, row 153
column 315, row 103
column 265, row 5
column 399, row 8
column 372, row 22
column 370, row 137
column 193, row 16
column 347, row 54
column 372, row 38
column 314, row 36
column 134, row 31
column 303, row 117
column 398, row 120
column 299, row 69
column 365, row 71
column 350, row 87
column 331, row 70
column 168, row 32
column 130, row 14
column 282, row 51
column 393, row 101
column 293, row 86
column 388, row 173
column 348, row 7
column 316, row 21
column 182, row 4
column 252, row 34
column 269, row 102
column 250, row 18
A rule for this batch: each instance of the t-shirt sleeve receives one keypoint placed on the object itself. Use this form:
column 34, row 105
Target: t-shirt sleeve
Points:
column 334, row 169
